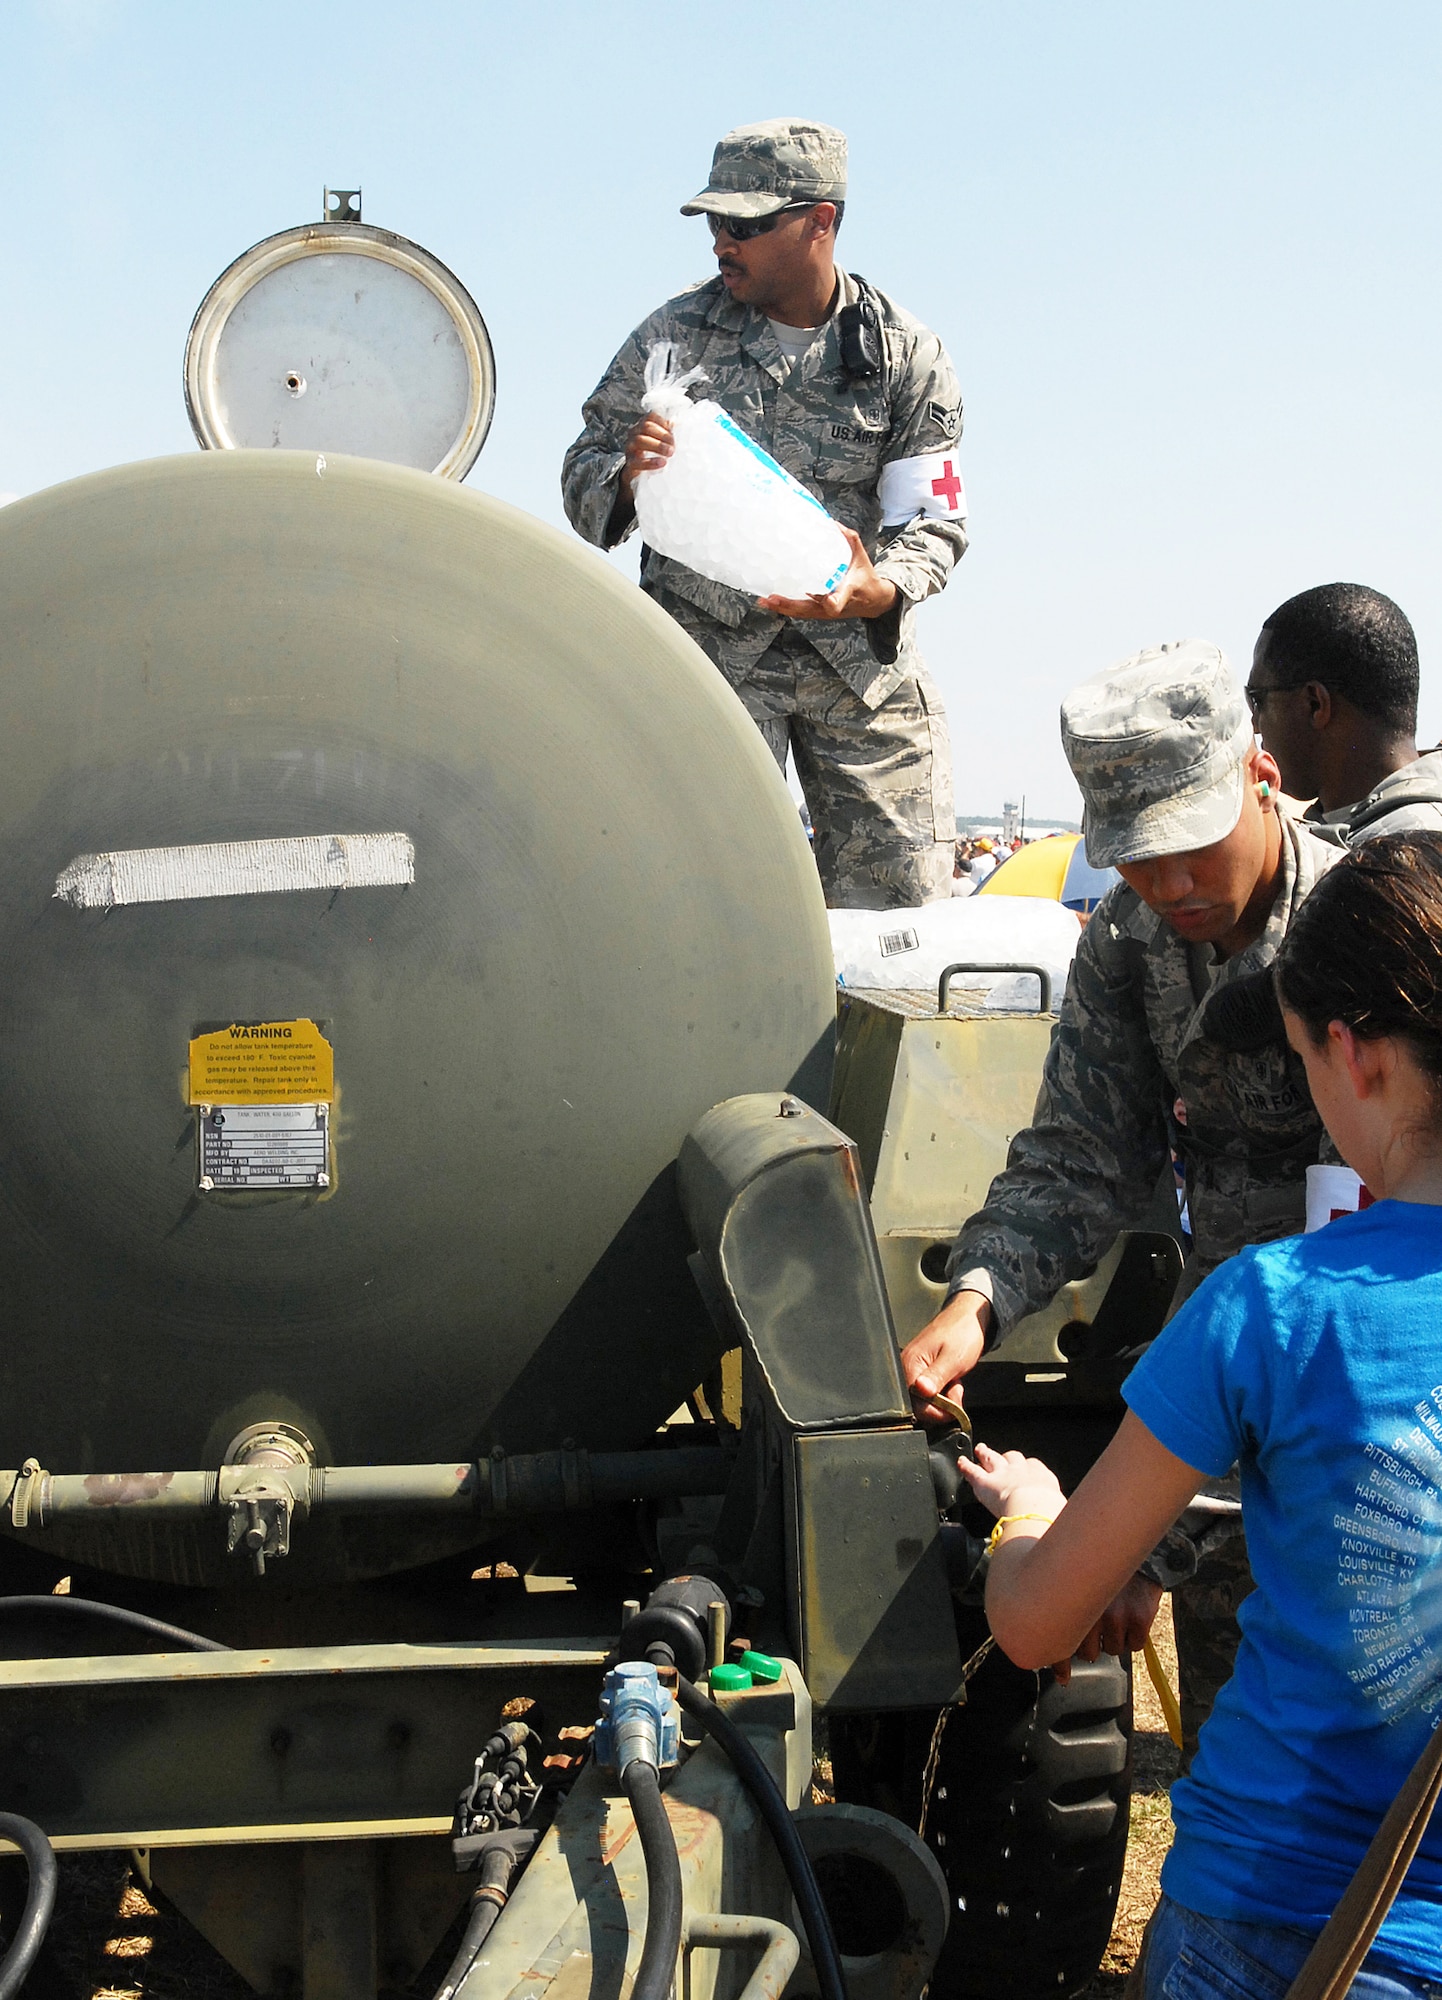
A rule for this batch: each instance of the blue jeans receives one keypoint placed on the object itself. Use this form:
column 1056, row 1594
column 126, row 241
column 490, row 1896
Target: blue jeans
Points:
column 1210, row 1958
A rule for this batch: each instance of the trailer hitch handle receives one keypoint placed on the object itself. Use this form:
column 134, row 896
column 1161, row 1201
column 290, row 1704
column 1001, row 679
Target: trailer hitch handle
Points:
column 1038, row 972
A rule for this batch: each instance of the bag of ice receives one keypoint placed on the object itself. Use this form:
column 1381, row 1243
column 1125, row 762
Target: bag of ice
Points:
column 723, row 506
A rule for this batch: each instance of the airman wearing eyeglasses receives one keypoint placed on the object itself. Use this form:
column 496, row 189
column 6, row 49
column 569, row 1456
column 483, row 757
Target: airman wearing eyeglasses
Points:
column 1333, row 693
column 858, row 401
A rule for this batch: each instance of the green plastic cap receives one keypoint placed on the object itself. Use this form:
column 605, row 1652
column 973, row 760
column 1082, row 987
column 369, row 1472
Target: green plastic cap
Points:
column 762, row 1667
column 729, row 1680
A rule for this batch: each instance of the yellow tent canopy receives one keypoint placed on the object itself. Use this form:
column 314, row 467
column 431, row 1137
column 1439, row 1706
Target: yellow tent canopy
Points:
column 1055, row 867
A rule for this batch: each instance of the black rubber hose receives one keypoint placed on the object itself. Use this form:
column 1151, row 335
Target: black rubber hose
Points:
column 484, row 1912
column 771, row 1803
column 656, row 1973
column 506, row 1853
column 39, row 1901
column 134, row 1621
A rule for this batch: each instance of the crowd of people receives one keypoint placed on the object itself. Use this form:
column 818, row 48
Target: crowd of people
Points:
column 1260, row 995
column 975, row 860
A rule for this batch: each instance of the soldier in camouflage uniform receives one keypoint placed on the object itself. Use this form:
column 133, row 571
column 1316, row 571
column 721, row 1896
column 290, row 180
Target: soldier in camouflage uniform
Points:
column 1168, row 1037
column 858, row 401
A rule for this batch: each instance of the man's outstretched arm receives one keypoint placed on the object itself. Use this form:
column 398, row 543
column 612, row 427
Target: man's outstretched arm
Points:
column 1083, row 1170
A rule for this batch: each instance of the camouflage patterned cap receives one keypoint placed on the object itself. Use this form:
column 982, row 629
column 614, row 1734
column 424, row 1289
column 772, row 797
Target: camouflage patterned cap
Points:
column 1157, row 745
column 758, row 169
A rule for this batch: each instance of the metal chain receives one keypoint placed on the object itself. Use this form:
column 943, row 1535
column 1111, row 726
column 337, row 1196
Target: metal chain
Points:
column 933, row 1755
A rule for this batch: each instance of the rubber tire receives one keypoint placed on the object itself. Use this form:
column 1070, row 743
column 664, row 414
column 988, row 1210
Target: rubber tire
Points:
column 1029, row 1816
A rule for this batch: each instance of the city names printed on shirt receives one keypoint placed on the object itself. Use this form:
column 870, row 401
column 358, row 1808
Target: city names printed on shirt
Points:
column 1391, row 1540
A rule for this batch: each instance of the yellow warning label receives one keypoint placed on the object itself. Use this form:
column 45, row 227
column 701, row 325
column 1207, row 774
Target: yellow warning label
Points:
column 264, row 1062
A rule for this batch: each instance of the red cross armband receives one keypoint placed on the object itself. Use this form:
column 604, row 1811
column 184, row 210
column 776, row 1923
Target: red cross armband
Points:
column 930, row 485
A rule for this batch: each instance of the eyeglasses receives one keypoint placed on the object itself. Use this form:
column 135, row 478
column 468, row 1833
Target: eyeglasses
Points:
column 1257, row 697
column 758, row 225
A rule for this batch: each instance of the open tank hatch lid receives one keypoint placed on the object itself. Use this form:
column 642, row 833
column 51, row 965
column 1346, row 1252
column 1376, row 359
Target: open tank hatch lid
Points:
column 337, row 337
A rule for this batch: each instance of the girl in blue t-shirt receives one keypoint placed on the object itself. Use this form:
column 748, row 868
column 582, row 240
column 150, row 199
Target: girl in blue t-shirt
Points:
column 1316, row 1364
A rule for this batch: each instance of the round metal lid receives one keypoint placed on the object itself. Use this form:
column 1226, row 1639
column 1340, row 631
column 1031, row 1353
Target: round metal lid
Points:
column 336, row 337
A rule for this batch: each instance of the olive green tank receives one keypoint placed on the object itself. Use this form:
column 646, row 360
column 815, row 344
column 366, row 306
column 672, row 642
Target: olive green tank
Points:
column 504, row 890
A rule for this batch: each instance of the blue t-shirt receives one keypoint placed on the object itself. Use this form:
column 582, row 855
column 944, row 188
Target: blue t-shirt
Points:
column 1316, row 1364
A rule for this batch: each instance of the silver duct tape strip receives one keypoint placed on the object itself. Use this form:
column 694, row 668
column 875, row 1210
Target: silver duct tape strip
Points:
column 237, row 868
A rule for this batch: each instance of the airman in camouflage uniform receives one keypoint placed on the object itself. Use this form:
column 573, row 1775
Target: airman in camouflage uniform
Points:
column 867, row 417
column 1163, row 1042
column 1138, row 1034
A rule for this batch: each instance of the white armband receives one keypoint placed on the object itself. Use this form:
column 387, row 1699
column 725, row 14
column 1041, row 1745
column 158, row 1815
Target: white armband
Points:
column 930, row 484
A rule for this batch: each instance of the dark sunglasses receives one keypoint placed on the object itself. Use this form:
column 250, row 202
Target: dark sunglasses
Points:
column 760, row 225
column 1256, row 697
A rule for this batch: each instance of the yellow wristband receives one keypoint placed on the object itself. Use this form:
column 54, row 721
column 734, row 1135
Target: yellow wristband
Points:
column 994, row 1539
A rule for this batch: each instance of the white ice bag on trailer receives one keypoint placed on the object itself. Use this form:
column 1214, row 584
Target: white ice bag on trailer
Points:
column 913, row 947
column 723, row 506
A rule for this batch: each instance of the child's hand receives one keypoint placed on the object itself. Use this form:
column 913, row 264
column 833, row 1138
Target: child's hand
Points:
column 1010, row 1483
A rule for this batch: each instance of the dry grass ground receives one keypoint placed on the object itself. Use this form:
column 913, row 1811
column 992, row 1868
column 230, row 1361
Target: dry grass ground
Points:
column 1155, row 1765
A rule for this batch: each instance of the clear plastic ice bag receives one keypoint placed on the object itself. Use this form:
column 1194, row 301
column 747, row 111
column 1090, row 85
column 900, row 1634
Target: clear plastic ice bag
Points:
column 723, row 506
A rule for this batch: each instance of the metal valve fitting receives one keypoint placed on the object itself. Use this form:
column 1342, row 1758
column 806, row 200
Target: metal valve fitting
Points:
column 639, row 1719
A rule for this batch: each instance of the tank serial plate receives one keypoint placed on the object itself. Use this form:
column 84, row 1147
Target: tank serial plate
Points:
column 264, row 1146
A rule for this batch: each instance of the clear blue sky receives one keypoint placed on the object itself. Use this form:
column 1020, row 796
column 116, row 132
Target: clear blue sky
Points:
column 1185, row 259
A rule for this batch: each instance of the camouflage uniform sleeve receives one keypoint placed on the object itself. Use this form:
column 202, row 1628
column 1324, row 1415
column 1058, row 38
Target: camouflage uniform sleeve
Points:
column 926, row 417
column 1089, row 1162
column 591, row 471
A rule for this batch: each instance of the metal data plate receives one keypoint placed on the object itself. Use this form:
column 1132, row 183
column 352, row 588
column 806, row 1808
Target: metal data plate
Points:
column 336, row 337
column 264, row 1146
